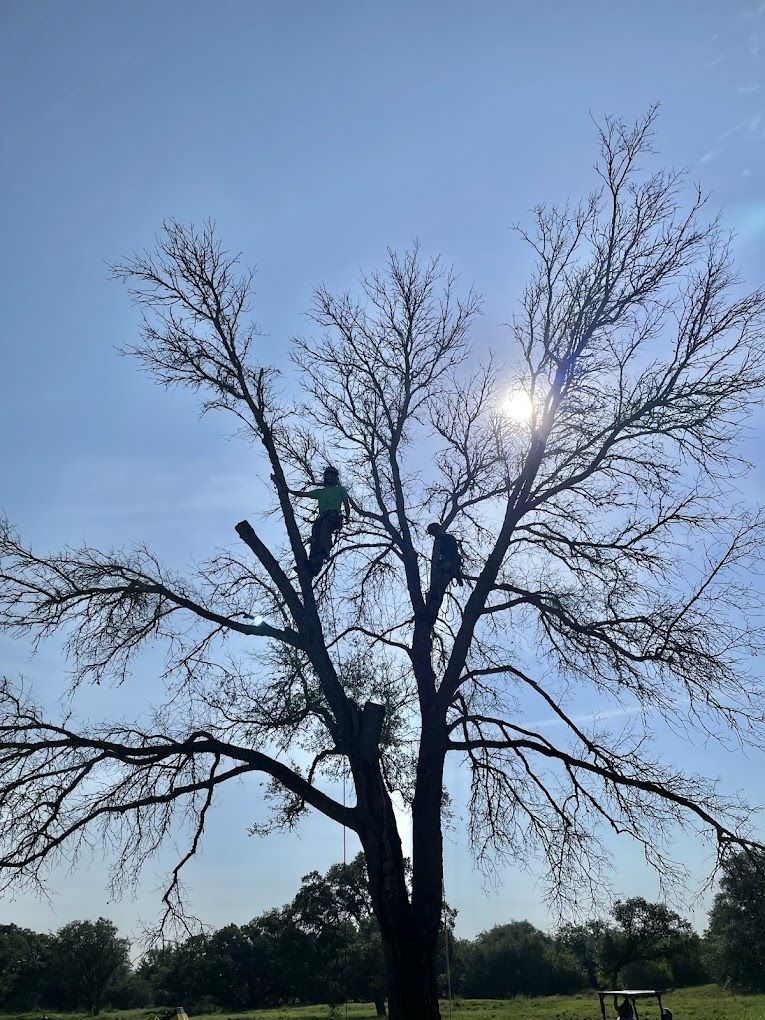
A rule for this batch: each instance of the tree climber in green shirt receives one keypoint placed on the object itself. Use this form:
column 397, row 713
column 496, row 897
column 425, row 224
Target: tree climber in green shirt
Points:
column 332, row 499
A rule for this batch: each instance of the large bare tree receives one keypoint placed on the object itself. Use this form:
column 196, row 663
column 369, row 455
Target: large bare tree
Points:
column 606, row 550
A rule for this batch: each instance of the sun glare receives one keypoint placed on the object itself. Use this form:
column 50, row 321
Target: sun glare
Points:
column 519, row 407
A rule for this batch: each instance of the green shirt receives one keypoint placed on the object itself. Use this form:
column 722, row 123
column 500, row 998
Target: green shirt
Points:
column 330, row 497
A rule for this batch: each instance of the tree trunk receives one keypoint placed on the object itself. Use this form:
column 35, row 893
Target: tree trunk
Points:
column 409, row 939
column 413, row 989
column 408, row 928
column 410, row 959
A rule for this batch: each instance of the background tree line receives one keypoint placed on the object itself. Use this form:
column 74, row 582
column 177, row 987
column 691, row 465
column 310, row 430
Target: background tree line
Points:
column 324, row 947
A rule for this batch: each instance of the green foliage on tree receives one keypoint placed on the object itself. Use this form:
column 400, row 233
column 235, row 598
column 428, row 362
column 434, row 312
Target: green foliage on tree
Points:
column 736, row 933
column 336, row 909
column 645, row 946
column 325, row 947
column 88, row 959
column 132, row 992
column 583, row 941
column 23, row 965
column 645, row 933
column 517, row 959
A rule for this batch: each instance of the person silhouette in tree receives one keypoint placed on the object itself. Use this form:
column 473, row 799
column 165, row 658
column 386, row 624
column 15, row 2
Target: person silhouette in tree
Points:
column 332, row 498
column 446, row 564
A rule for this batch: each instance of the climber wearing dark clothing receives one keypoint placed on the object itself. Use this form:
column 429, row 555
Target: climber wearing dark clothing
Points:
column 446, row 565
column 332, row 499
column 624, row 1010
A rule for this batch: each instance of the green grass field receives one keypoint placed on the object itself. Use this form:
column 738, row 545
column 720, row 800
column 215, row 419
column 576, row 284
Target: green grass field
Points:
column 707, row 1003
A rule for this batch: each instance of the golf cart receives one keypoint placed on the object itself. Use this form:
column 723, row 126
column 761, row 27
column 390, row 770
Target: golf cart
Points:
column 627, row 1009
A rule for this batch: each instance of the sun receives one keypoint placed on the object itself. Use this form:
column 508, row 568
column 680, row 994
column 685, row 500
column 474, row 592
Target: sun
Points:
column 518, row 407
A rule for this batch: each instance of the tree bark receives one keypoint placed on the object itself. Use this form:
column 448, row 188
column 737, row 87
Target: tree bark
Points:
column 411, row 966
column 410, row 958
column 408, row 927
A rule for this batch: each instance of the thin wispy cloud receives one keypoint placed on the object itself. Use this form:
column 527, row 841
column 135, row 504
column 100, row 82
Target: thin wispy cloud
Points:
column 750, row 126
column 732, row 130
column 588, row 718
column 747, row 90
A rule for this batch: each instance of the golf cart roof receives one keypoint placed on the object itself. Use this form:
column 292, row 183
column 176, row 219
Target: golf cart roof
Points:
column 636, row 993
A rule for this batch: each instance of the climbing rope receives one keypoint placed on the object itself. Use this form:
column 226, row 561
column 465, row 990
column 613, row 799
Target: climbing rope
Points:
column 345, row 922
column 331, row 605
column 446, row 948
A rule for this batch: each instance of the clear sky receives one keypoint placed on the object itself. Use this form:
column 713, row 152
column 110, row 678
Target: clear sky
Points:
column 315, row 134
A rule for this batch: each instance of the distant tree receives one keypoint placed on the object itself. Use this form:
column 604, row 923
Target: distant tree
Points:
column 336, row 910
column 325, row 901
column 644, row 932
column 191, row 973
column 154, row 968
column 14, row 947
column 603, row 527
column 365, row 980
column 88, row 959
column 266, row 962
column 736, row 933
column 313, row 949
column 688, row 961
column 23, row 968
column 132, row 991
column 228, row 965
column 517, row 959
column 282, row 961
column 447, row 951
column 583, row 941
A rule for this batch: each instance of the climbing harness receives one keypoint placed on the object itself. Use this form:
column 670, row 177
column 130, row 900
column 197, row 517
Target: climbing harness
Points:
column 324, row 534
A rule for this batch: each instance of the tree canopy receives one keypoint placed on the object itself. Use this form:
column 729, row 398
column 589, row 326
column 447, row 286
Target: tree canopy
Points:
column 644, row 932
column 87, row 958
column 605, row 550
column 517, row 959
column 736, row 932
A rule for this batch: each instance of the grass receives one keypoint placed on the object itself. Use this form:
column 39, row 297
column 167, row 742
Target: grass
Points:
column 706, row 1003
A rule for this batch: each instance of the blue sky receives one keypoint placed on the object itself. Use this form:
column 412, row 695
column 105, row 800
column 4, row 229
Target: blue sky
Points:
column 315, row 134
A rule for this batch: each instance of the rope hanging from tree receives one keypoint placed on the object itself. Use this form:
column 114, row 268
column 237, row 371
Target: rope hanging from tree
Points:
column 446, row 948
